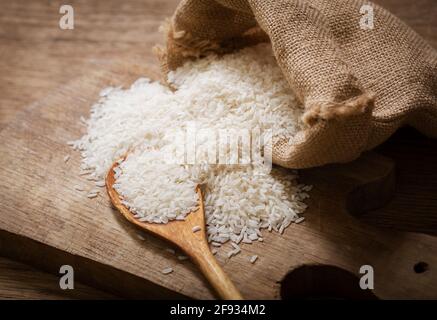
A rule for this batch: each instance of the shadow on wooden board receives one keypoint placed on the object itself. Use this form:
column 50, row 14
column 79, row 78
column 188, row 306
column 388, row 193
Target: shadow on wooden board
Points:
column 413, row 207
column 98, row 275
column 323, row 282
column 394, row 186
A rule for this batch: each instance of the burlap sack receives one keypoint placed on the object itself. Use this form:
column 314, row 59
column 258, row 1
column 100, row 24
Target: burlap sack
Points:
column 357, row 85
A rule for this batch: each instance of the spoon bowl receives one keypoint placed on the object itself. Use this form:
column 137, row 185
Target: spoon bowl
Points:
column 183, row 234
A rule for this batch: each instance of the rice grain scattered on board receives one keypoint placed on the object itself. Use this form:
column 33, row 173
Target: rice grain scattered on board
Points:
column 196, row 228
column 140, row 236
column 299, row 220
column 236, row 246
column 170, row 250
column 167, row 270
column 85, row 173
column 182, row 258
column 100, row 183
column 253, row 258
column 232, row 253
column 66, row 158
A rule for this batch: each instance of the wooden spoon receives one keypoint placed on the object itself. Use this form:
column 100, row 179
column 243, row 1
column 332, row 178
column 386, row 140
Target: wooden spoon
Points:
column 180, row 233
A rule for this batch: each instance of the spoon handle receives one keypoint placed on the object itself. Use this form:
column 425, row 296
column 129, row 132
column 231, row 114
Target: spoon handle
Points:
column 215, row 275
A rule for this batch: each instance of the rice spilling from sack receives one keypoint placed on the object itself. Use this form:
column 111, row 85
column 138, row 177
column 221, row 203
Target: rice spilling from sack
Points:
column 244, row 90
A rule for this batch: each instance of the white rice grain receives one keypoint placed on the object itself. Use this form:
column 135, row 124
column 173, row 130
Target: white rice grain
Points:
column 140, row 236
column 167, row 270
column 100, row 183
column 233, row 253
column 170, row 250
column 299, row 220
column 253, row 258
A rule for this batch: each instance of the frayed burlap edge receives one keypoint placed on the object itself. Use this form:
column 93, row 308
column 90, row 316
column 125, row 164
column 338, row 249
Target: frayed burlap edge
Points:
column 328, row 110
column 182, row 46
column 333, row 136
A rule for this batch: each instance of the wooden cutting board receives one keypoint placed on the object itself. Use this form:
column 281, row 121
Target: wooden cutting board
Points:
column 44, row 221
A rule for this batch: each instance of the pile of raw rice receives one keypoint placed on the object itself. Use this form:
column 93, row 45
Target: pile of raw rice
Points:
column 243, row 90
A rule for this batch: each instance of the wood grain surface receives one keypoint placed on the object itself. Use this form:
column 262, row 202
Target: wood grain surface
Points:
column 50, row 77
column 20, row 281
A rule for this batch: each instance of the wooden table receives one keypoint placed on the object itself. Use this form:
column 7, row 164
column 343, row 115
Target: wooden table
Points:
column 37, row 59
column 20, row 281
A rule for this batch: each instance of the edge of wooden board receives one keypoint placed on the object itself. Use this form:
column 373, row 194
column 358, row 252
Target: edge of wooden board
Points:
column 330, row 236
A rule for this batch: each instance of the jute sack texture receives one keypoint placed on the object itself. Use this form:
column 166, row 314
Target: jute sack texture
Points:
column 357, row 85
